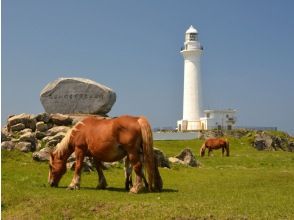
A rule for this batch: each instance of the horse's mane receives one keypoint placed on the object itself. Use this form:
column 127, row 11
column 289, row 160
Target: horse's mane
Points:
column 62, row 147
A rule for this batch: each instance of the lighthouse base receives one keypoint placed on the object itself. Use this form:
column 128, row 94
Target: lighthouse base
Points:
column 186, row 125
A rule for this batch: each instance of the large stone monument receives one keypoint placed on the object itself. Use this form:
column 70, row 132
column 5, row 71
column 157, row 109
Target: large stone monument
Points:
column 77, row 95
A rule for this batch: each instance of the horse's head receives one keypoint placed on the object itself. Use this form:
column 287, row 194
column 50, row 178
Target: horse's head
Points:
column 57, row 168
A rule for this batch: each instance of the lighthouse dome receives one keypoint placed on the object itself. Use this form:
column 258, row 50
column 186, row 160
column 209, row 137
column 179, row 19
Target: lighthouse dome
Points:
column 191, row 30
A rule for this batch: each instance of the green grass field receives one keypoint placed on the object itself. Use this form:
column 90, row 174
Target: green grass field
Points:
column 249, row 184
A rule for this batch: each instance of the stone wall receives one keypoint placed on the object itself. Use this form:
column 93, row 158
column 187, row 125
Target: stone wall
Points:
column 30, row 133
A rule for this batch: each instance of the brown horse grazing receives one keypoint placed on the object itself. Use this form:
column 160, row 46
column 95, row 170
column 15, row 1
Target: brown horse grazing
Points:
column 214, row 144
column 108, row 140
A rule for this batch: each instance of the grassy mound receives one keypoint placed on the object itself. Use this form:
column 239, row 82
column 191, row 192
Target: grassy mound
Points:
column 249, row 184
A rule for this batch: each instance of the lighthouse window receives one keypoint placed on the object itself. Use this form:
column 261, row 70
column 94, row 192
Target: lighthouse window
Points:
column 192, row 37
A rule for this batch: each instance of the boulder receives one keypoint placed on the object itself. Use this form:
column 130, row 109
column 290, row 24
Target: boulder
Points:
column 53, row 131
column 52, row 143
column 28, row 120
column 45, row 117
column 41, row 126
column 88, row 166
column 25, row 146
column 162, row 161
column 28, row 137
column 77, row 95
column 175, row 160
column 206, row 134
column 42, row 155
column 60, row 119
column 5, row 136
column 7, row 145
column 187, row 157
column 25, row 131
column 40, row 135
column 17, row 127
column 57, row 137
column 291, row 147
column 265, row 141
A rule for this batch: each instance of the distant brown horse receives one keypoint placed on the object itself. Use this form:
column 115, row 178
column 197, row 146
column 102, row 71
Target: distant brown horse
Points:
column 214, row 144
column 108, row 140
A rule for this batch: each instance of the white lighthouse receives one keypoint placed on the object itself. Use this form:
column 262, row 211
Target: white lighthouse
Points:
column 192, row 103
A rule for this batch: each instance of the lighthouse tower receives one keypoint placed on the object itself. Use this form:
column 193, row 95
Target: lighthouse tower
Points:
column 192, row 109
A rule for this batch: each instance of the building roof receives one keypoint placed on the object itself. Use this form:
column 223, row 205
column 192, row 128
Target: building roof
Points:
column 191, row 30
column 221, row 110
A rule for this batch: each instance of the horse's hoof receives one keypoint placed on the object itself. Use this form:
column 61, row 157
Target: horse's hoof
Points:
column 101, row 186
column 137, row 188
column 73, row 188
column 133, row 190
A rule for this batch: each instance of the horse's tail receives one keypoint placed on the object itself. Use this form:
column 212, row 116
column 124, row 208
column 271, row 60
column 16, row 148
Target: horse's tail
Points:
column 149, row 160
column 202, row 149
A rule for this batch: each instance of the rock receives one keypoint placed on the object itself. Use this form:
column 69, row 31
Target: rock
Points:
column 291, row 147
column 16, row 119
column 162, row 161
column 28, row 137
column 206, row 134
column 28, row 120
column 175, row 160
column 108, row 165
column 17, row 127
column 5, row 136
column 52, row 143
column 45, row 117
column 60, row 119
column 57, row 137
column 25, row 131
column 188, row 157
column 77, row 95
column 88, row 166
column 42, row 155
column 7, row 145
column 40, row 135
column 25, row 146
column 41, row 126
column 265, row 141
column 53, row 131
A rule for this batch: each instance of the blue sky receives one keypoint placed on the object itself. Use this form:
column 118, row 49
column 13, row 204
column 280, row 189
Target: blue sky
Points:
column 133, row 47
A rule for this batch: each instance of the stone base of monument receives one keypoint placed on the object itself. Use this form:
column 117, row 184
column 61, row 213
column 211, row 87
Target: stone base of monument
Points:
column 38, row 131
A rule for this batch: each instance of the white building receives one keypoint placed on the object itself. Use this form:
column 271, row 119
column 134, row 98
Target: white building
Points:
column 219, row 119
column 192, row 103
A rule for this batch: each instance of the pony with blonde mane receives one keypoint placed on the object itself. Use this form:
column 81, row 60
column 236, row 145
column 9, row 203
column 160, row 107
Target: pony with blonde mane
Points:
column 108, row 140
column 214, row 144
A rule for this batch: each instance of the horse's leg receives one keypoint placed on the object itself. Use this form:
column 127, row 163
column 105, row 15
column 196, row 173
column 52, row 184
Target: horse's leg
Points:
column 137, row 166
column 228, row 149
column 142, row 172
column 157, row 178
column 209, row 151
column 75, row 183
column 128, row 174
column 102, row 184
column 223, row 151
